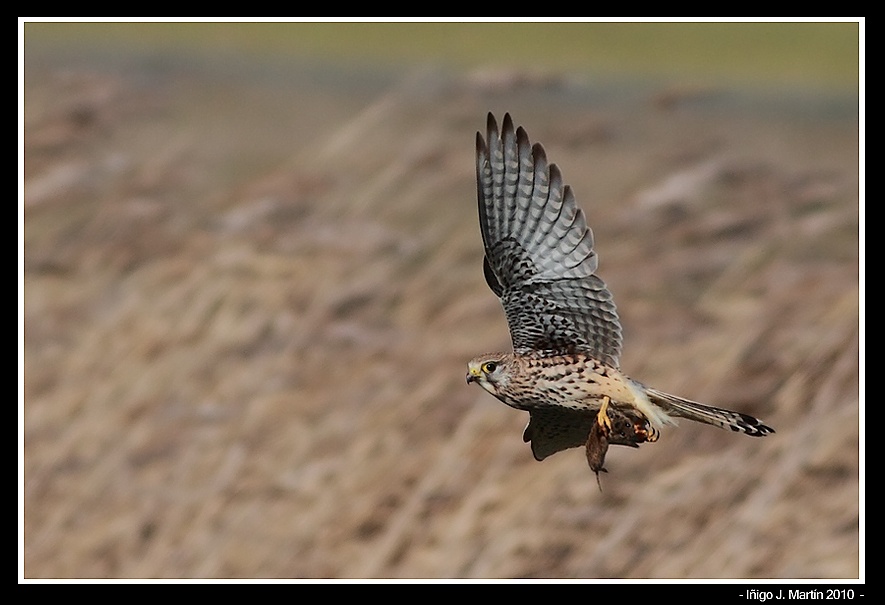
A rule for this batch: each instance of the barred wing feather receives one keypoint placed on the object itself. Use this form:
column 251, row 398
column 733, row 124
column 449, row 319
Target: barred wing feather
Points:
column 539, row 256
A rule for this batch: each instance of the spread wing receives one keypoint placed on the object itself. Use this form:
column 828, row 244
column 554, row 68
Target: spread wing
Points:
column 539, row 256
column 552, row 430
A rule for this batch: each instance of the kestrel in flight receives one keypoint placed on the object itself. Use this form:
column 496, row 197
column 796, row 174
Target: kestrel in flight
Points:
column 540, row 261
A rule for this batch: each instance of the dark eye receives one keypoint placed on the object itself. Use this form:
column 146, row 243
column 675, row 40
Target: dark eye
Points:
column 489, row 367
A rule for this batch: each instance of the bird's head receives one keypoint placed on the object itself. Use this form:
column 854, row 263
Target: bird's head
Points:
column 491, row 371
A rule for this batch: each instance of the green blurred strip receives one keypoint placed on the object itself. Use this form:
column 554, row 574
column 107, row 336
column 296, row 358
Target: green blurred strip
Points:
column 818, row 54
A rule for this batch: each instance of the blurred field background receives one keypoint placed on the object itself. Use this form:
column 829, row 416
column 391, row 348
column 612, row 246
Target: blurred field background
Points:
column 252, row 281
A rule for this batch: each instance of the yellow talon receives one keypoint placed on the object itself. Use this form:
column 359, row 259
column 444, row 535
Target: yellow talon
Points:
column 602, row 418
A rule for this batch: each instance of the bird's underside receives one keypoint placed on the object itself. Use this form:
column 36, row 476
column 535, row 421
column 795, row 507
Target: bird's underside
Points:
column 552, row 430
column 564, row 370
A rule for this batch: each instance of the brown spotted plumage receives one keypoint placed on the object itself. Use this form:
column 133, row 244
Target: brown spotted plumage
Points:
column 566, row 335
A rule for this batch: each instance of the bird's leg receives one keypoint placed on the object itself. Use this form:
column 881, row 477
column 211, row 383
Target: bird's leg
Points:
column 602, row 419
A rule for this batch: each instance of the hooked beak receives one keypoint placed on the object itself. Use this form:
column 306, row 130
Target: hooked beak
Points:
column 470, row 378
column 473, row 374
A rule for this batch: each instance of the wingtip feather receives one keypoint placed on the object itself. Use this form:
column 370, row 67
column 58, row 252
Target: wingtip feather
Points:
column 507, row 124
column 491, row 123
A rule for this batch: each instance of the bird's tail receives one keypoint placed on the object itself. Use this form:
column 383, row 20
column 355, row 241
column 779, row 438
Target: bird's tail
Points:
column 726, row 419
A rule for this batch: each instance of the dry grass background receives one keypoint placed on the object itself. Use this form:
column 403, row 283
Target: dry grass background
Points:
column 251, row 292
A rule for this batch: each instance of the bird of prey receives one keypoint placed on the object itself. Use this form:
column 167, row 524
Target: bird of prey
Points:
column 566, row 335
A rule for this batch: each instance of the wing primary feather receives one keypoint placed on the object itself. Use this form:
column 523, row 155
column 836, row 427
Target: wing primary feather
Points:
column 483, row 188
column 525, row 187
column 510, row 141
column 497, row 166
column 535, row 197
